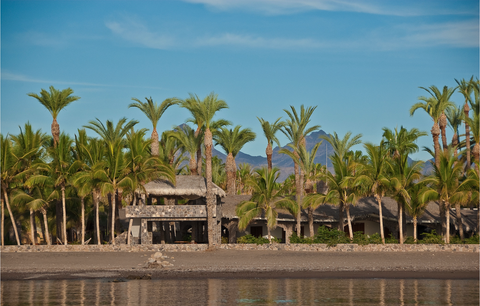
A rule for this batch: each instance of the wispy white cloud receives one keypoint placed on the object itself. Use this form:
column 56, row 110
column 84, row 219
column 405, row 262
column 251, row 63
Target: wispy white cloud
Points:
column 42, row 39
column 249, row 41
column 379, row 7
column 134, row 31
column 406, row 36
column 8, row 76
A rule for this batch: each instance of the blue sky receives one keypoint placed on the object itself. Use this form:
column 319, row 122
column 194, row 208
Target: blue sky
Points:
column 360, row 62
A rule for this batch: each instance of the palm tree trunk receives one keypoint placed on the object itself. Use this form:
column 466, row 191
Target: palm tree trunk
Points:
column 82, row 201
column 3, row 222
column 415, row 229
column 476, row 152
column 380, row 216
column 298, row 198
column 310, row 221
column 5, row 196
column 64, row 212
column 211, row 224
column 112, row 234
column 269, row 153
column 55, row 132
column 269, row 236
column 45, row 222
column 32, row 224
column 97, row 217
column 466, row 110
column 341, row 225
column 155, row 145
column 459, row 220
column 435, row 134
column 443, row 127
column 447, row 213
column 130, row 222
column 350, row 231
column 400, row 222
column 230, row 169
column 199, row 153
column 193, row 165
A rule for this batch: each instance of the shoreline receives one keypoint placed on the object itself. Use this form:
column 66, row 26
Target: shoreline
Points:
column 238, row 264
column 168, row 275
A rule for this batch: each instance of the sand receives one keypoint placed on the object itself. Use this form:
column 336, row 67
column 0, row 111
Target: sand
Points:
column 240, row 264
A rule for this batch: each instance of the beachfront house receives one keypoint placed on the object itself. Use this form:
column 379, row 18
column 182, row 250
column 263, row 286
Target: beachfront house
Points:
column 364, row 216
column 185, row 220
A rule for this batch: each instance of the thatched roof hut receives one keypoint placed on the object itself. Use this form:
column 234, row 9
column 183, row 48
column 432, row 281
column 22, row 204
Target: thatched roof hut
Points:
column 187, row 186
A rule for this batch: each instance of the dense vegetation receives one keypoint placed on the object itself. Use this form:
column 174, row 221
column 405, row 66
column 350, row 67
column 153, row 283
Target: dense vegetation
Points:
column 61, row 183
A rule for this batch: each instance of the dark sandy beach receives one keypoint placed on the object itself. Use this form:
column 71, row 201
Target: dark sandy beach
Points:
column 240, row 264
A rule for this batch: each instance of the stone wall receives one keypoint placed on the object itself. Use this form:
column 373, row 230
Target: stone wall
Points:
column 471, row 248
column 166, row 211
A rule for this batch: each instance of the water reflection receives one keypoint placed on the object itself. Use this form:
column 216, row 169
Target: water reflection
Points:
column 241, row 292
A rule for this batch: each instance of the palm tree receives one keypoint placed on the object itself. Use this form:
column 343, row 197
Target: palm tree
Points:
column 54, row 101
column 470, row 185
column 269, row 130
column 113, row 175
column 342, row 189
column 206, row 111
column 455, row 118
column 89, row 177
column 296, row 130
column 58, row 173
column 374, row 178
column 9, row 168
column 266, row 198
column 154, row 112
column 466, row 88
column 403, row 177
column 232, row 141
column 401, row 143
column 415, row 207
column 443, row 186
column 435, row 106
column 474, row 121
column 29, row 144
column 142, row 168
column 341, row 147
column 244, row 173
column 306, row 161
column 190, row 143
column 38, row 198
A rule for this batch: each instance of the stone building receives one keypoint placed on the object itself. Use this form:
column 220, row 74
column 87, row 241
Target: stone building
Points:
column 183, row 218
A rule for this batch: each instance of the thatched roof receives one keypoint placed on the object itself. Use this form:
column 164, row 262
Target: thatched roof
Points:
column 365, row 208
column 187, row 186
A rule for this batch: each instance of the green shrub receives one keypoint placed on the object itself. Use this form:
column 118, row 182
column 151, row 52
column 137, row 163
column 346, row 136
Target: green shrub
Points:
column 305, row 240
column 249, row 239
column 409, row 240
column 475, row 239
column 375, row 239
column 224, row 240
column 431, row 238
column 471, row 240
column 391, row 239
column 360, row 238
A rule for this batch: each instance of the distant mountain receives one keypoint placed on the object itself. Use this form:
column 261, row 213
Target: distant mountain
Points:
column 285, row 163
column 282, row 161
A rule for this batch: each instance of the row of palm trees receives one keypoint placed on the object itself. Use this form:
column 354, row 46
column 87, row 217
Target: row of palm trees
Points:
column 385, row 170
column 39, row 171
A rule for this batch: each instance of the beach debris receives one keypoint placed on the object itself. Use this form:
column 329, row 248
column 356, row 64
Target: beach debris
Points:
column 158, row 260
column 86, row 242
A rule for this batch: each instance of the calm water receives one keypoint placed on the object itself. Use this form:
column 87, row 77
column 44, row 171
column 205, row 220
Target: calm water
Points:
column 242, row 292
